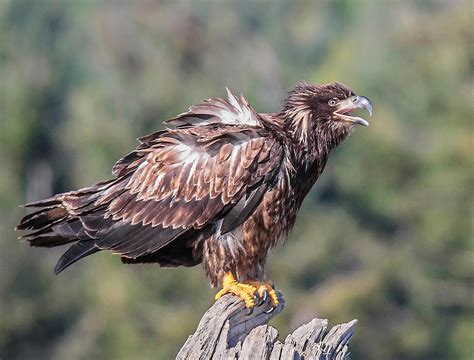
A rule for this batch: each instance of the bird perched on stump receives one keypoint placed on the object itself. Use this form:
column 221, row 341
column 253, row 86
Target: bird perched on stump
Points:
column 221, row 188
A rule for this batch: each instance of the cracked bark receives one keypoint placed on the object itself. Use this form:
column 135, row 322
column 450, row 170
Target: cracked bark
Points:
column 226, row 331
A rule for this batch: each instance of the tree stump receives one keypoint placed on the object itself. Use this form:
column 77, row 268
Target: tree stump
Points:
column 227, row 331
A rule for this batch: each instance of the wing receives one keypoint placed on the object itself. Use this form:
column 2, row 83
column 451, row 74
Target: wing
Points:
column 183, row 180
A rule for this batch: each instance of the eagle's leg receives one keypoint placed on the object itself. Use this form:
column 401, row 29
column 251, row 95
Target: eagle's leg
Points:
column 265, row 288
column 245, row 291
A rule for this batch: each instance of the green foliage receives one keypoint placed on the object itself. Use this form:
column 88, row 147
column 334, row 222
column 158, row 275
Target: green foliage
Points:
column 386, row 236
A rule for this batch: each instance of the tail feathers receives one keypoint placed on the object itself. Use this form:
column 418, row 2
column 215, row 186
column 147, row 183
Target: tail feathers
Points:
column 55, row 200
column 56, row 222
column 43, row 223
column 48, row 239
column 74, row 253
column 42, row 219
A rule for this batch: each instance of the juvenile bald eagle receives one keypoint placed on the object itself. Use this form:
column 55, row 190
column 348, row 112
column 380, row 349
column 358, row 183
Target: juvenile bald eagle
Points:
column 222, row 188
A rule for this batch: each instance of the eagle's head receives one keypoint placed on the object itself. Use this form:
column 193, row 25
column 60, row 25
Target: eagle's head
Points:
column 323, row 111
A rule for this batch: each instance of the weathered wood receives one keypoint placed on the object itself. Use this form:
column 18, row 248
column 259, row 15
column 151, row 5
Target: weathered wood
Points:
column 227, row 331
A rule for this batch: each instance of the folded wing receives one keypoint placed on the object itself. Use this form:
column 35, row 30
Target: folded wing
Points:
column 185, row 180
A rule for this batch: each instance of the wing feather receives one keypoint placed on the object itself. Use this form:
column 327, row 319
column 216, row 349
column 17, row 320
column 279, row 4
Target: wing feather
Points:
column 234, row 111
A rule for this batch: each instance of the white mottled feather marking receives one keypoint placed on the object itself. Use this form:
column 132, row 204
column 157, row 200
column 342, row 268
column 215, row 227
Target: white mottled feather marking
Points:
column 242, row 114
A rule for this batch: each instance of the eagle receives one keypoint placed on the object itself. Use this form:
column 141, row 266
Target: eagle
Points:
column 221, row 186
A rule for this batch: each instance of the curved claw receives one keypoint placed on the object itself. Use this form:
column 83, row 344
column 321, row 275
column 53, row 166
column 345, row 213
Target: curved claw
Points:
column 261, row 298
column 269, row 311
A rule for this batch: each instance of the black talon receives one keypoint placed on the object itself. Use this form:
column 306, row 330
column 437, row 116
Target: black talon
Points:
column 250, row 311
column 256, row 298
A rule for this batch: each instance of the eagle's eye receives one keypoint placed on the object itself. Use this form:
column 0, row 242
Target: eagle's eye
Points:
column 333, row 102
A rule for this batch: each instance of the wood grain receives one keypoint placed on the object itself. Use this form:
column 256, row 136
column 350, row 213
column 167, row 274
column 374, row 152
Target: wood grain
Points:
column 227, row 331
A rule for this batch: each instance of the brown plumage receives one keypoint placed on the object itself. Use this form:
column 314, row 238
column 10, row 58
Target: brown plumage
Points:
column 222, row 188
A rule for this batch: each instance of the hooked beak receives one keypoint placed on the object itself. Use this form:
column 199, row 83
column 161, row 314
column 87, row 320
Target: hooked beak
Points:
column 353, row 103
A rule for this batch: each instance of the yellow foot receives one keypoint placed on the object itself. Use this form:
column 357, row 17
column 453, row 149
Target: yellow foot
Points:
column 265, row 288
column 244, row 291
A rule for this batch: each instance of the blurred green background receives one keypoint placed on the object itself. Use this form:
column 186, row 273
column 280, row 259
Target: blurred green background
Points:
column 386, row 236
